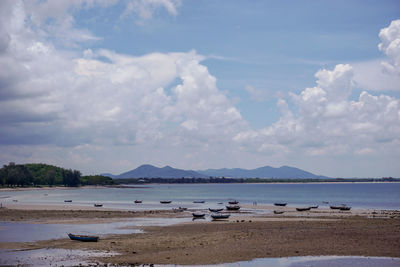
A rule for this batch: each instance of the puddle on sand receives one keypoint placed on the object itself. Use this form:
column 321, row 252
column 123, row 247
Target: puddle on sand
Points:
column 47, row 257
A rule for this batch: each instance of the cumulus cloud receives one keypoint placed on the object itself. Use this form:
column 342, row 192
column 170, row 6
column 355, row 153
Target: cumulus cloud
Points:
column 390, row 45
column 146, row 8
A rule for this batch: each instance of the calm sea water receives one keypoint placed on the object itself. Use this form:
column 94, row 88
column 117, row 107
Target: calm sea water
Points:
column 357, row 195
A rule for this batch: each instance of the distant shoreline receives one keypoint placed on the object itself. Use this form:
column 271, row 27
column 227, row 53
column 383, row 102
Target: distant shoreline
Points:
column 141, row 185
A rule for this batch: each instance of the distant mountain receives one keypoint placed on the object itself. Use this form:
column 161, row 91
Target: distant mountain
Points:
column 150, row 171
column 284, row 172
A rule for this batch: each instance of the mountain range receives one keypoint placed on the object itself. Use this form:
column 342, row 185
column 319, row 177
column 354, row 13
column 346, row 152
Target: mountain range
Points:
column 150, row 171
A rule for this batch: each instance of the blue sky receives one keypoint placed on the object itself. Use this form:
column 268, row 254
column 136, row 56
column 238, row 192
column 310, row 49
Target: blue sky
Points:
column 104, row 86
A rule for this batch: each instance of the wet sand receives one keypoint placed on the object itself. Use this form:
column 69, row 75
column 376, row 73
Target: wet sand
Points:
column 255, row 233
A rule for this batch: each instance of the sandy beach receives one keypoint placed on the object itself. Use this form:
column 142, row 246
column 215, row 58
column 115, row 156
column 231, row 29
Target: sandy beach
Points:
column 255, row 233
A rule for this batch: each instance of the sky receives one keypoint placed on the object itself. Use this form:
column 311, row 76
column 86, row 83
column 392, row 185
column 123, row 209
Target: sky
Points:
column 108, row 85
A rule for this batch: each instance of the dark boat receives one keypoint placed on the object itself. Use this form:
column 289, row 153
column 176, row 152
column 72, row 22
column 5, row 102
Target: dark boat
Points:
column 98, row 205
column 215, row 210
column 199, row 201
column 84, row 238
column 314, row 207
column 233, row 202
column 233, row 207
column 219, row 216
column 68, row 200
column 138, row 201
column 198, row 214
column 282, row 204
column 278, row 211
column 345, row 208
column 165, row 201
column 337, row 207
column 303, row 209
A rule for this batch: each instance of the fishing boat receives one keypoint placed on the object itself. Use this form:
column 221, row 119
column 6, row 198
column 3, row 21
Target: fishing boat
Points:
column 281, row 204
column 98, row 205
column 68, row 200
column 215, row 210
column 345, row 208
column 219, row 216
column 278, row 211
column 138, row 201
column 84, row 238
column 303, row 209
column 199, row 201
column 165, row 201
column 233, row 202
column 198, row 214
column 233, row 207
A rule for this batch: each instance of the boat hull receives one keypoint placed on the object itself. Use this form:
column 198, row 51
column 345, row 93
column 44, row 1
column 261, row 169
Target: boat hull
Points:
column 83, row 238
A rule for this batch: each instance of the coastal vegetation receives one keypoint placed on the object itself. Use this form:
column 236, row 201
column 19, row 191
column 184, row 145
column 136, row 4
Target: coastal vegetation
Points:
column 39, row 174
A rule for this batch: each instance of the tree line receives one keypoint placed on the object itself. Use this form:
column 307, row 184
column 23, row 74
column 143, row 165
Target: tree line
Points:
column 13, row 175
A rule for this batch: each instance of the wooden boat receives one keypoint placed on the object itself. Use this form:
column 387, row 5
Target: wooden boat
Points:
column 219, row 216
column 199, row 201
column 337, row 207
column 138, row 201
column 215, row 210
column 303, row 209
column 345, row 208
column 278, row 211
column 233, row 202
column 233, row 207
column 198, row 214
column 282, row 204
column 98, row 205
column 68, row 200
column 84, row 238
column 165, row 201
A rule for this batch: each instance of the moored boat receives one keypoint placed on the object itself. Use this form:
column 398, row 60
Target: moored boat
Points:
column 84, row 238
column 165, row 201
column 68, row 200
column 233, row 207
column 98, row 205
column 345, row 208
column 138, row 201
column 314, row 207
column 278, row 211
column 219, row 216
column 282, row 204
column 303, row 209
column 198, row 214
column 215, row 210
column 199, row 201
column 334, row 207
column 233, row 202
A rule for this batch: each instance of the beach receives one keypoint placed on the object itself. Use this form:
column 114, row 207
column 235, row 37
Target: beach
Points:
column 253, row 233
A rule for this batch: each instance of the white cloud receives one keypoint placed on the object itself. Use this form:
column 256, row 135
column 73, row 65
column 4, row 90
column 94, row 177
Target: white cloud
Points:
column 390, row 45
column 146, row 8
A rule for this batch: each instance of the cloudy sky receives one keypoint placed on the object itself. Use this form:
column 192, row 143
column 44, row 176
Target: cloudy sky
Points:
column 108, row 85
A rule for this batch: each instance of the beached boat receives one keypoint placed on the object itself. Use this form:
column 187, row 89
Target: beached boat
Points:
column 303, row 209
column 314, row 207
column 199, row 201
column 215, row 210
column 278, row 211
column 84, row 238
column 198, row 214
column 345, row 208
column 233, row 207
column 165, row 201
column 138, row 201
column 233, row 202
column 98, row 205
column 337, row 207
column 68, row 200
column 282, row 204
column 219, row 216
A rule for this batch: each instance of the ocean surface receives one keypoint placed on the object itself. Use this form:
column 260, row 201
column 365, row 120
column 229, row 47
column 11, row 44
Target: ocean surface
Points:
column 356, row 195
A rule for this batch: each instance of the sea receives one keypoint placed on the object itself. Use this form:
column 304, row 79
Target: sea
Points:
column 382, row 196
